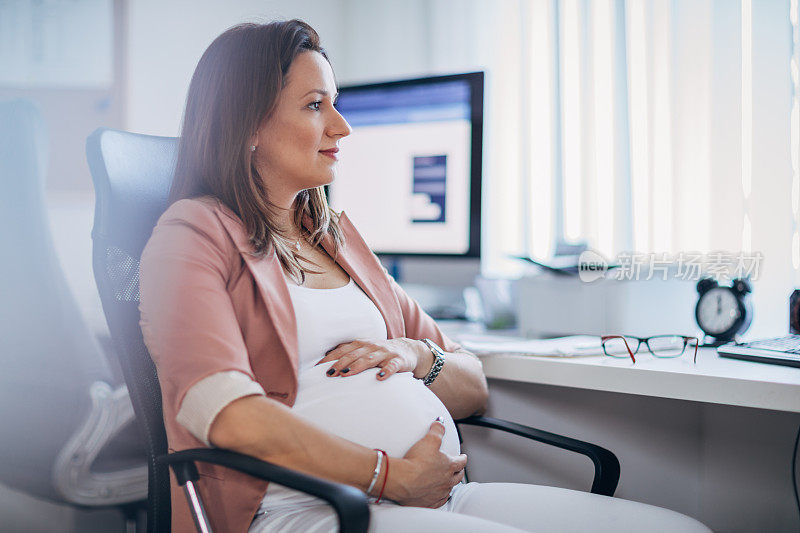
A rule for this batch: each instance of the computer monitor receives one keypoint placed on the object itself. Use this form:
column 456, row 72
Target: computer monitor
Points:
column 410, row 174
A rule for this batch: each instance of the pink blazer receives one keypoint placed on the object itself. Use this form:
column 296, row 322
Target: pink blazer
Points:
column 209, row 305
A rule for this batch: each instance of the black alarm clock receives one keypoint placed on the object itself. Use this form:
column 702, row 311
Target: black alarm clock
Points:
column 723, row 312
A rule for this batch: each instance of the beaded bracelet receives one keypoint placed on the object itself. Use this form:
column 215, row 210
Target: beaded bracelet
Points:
column 377, row 471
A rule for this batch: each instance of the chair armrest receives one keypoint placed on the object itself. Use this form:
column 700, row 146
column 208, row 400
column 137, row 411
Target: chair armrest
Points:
column 606, row 464
column 349, row 503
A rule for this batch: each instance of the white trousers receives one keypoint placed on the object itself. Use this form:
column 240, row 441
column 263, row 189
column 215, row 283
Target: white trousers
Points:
column 495, row 508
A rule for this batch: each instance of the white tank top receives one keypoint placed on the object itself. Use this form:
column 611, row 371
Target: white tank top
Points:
column 329, row 317
column 392, row 414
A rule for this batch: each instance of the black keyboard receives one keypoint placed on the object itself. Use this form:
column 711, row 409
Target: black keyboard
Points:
column 776, row 351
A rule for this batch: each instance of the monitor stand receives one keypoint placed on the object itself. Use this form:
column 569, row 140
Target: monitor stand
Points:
column 436, row 283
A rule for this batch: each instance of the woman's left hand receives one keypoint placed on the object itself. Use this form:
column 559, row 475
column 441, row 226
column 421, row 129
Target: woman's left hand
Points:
column 392, row 355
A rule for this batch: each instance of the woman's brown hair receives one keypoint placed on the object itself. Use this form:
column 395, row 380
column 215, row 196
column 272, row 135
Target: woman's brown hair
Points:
column 233, row 90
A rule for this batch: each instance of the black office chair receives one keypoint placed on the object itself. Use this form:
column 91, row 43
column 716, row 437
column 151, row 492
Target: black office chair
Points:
column 132, row 175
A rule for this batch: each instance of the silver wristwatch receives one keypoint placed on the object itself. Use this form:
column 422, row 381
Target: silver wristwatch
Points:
column 438, row 362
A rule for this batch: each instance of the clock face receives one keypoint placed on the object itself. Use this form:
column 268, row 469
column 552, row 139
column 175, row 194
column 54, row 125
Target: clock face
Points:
column 717, row 311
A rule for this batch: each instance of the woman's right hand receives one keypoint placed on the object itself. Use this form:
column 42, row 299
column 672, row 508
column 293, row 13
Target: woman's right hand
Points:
column 425, row 475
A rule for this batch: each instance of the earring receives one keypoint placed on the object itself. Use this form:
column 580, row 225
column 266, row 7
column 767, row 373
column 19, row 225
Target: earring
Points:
column 252, row 147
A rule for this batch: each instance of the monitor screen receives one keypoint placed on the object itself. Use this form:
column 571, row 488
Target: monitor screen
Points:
column 409, row 175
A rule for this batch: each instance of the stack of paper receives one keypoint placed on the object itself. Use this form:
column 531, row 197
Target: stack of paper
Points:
column 572, row 346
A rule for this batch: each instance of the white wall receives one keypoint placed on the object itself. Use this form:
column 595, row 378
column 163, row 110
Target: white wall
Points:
column 166, row 39
column 366, row 41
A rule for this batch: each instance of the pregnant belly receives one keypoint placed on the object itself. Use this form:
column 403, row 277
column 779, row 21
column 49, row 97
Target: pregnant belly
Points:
column 392, row 415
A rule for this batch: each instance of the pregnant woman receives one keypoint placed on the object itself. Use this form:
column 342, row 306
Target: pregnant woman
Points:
column 277, row 333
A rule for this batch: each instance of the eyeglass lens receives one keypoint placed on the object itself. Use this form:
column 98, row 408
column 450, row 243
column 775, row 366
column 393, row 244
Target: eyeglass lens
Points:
column 666, row 345
column 615, row 346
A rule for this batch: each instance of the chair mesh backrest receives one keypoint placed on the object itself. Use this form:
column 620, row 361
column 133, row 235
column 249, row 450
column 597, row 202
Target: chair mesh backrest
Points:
column 123, row 274
column 132, row 174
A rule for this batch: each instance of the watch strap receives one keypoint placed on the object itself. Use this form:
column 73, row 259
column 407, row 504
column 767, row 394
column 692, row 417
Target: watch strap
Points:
column 438, row 362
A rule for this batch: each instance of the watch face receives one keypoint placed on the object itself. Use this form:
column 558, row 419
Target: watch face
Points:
column 717, row 311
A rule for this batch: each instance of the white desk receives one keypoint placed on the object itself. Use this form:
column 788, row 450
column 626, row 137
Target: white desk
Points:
column 713, row 379
column 712, row 440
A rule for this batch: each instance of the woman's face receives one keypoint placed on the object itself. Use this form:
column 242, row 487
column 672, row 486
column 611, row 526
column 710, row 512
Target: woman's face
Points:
column 296, row 147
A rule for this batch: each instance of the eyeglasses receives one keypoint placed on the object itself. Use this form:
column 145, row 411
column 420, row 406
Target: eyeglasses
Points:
column 665, row 346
